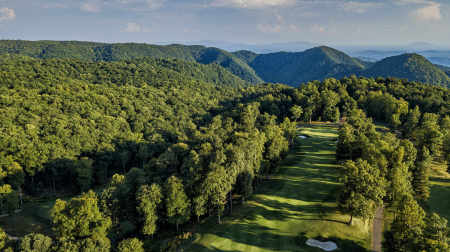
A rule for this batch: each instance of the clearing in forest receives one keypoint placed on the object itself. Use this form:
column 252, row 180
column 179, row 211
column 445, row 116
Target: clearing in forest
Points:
column 297, row 203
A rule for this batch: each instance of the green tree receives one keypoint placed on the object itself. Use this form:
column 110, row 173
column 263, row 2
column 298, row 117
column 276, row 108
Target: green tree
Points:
column 35, row 243
column 13, row 172
column 131, row 245
column 412, row 120
column 148, row 198
column 436, row 233
column 95, row 243
column 364, row 189
column 200, row 206
column 216, row 186
column 407, row 228
column 79, row 219
column 84, row 172
column 296, row 112
column 177, row 203
column 9, row 199
column 3, row 239
column 421, row 174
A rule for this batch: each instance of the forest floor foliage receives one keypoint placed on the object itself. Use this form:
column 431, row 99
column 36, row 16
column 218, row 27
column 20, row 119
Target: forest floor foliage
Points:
column 288, row 208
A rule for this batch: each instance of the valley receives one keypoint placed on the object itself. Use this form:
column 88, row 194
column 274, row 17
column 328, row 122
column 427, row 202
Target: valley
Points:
column 296, row 204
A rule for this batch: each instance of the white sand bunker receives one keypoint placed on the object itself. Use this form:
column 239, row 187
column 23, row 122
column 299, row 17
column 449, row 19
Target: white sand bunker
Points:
column 303, row 137
column 327, row 246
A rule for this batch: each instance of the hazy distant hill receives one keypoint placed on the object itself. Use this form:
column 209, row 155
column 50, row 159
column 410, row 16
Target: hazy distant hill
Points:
column 440, row 57
column 409, row 66
column 446, row 69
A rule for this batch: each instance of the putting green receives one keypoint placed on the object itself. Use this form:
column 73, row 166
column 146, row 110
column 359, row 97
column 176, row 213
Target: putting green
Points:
column 297, row 203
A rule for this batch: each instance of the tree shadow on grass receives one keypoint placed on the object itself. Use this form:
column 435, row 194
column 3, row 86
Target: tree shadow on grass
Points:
column 252, row 235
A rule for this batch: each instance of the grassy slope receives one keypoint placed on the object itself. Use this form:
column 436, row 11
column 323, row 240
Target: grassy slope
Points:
column 440, row 191
column 298, row 202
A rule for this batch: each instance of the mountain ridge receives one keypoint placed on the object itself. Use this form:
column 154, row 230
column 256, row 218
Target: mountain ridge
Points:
column 292, row 68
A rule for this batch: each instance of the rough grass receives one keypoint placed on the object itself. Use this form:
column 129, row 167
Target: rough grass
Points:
column 296, row 204
column 35, row 217
column 439, row 200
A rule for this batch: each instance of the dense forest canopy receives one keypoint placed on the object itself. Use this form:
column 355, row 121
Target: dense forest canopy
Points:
column 292, row 68
column 143, row 145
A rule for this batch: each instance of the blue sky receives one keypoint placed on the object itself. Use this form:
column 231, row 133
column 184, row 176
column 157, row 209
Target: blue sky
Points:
column 382, row 22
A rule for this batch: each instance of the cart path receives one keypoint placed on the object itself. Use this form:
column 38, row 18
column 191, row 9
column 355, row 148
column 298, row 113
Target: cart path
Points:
column 377, row 230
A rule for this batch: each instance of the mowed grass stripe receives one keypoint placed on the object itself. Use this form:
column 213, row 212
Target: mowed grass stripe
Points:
column 297, row 203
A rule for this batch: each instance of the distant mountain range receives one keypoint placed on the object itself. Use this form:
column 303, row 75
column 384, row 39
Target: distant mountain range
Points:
column 434, row 53
column 292, row 68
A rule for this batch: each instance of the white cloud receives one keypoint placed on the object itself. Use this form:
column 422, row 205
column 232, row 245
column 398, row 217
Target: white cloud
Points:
column 155, row 4
column 92, row 6
column 55, row 6
column 7, row 14
column 294, row 28
column 318, row 28
column 358, row 7
column 268, row 28
column 252, row 4
column 431, row 12
column 133, row 27
column 406, row 2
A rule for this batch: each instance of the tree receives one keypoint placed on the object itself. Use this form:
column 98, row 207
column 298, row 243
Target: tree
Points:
column 216, row 186
column 13, row 172
column 110, row 197
column 447, row 151
column 131, row 245
column 148, row 198
column 200, row 206
column 364, row 189
column 421, row 174
column 177, row 203
column 436, row 233
column 94, row 243
column 428, row 134
column 84, row 171
column 345, row 145
column 399, row 177
column 296, row 112
column 412, row 120
column 407, row 228
column 35, row 243
column 80, row 218
column 3, row 239
column 9, row 199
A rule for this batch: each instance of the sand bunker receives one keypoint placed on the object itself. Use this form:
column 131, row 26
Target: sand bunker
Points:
column 327, row 246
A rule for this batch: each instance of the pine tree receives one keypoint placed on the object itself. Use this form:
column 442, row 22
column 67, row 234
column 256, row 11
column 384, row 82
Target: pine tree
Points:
column 421, row 175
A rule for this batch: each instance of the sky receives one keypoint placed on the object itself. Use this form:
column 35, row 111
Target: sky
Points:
column 346, row 22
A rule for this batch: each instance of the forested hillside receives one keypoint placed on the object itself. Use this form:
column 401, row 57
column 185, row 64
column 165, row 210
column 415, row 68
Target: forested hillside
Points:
column 295, row 68
column 283, row 67
column 409, row 66
column 151, row 128
column 115, row 52
column 139, row 148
